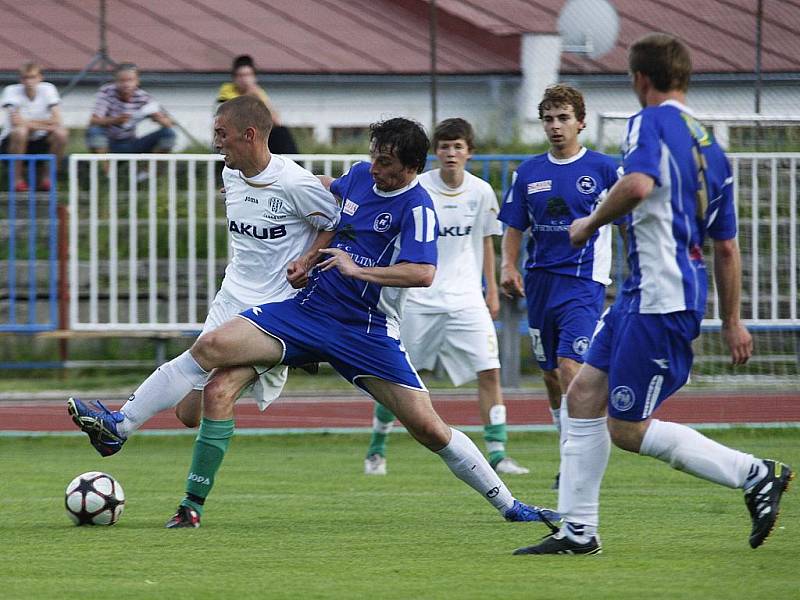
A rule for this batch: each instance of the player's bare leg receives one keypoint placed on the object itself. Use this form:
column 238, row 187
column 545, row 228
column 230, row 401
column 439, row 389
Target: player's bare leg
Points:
column 493, row 415
column 190, row 409
column 415, row 411
column 216, row 429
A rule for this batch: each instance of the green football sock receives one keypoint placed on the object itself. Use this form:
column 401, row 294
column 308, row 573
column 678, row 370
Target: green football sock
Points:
column 382, row 422
column 209, row 450
column 496, row 437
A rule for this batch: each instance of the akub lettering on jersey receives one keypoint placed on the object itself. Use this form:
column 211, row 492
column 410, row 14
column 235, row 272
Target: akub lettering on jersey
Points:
column 455, row 230
column 265, row 233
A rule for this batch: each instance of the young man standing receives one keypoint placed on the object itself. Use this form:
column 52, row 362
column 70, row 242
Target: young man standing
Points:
column 384, row 244
column 452, row 319
column 564, row 286
column 677, row 189
column 34, row 124
column 276, row 210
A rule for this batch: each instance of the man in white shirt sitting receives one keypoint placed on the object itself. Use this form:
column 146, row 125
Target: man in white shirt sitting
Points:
column 34, row 124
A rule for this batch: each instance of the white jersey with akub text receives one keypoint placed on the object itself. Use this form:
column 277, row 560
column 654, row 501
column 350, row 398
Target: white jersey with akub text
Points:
column 466, row 215
column 272, row 219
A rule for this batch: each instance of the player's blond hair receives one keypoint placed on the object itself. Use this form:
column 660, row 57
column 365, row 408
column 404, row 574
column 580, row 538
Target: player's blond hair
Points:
column 247, row 111
column 30, row 68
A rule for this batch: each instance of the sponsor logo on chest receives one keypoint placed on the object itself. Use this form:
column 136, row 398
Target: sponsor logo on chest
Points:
column 540, row 186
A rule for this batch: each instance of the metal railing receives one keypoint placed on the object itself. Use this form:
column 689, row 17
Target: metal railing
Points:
column 29, row 229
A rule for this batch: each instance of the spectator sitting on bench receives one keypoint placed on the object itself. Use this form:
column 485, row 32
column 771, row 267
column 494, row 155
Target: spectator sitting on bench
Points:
column 120, row 106
column 34, row 123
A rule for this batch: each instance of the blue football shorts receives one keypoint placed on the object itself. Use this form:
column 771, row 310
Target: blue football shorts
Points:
column 308, row 335
column 562, row 314
column 648, row 357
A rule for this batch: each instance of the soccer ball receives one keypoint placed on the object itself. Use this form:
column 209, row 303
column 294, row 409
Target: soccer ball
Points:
column 94, row 498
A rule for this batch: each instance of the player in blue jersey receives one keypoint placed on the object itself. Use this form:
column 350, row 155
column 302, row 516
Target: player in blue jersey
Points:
column 564, row 286
column 676, row 190
column 347, row 315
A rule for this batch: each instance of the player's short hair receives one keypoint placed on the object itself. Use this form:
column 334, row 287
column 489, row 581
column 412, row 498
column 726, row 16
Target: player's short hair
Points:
column 30, row 68
column 243, row 60
column 664, row 59
column 406, row 138
column 126, row 66
column 454, row 129
column 247, row 111
column 563, row 95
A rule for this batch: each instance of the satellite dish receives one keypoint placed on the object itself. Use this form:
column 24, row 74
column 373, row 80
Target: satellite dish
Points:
column 588, row 27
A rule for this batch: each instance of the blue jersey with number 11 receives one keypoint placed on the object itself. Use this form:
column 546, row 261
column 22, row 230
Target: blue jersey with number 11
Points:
column 377, row 229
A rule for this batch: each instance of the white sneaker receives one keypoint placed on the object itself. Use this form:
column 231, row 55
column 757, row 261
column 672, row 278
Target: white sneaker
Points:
column 508, row 466
column 375, row 464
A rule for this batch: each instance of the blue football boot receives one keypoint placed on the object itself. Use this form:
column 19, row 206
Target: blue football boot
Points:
column 522, row 512
column 99, row 423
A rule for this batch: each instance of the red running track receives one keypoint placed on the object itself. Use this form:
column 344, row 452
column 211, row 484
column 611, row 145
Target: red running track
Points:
column 344, row 411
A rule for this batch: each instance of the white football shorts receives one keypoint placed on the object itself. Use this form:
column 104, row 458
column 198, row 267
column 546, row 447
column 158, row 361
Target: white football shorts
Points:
column 465, row 341
column 269, row 383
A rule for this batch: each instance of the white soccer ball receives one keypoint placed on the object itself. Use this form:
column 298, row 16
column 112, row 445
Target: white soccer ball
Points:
column 94, row 498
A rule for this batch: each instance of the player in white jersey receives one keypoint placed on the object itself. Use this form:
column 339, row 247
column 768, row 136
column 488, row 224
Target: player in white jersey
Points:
column 275, row 210
column 452, row 320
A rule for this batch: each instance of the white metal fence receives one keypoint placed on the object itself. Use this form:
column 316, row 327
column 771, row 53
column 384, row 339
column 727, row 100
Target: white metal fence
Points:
column 148, row 238
column 148, row 244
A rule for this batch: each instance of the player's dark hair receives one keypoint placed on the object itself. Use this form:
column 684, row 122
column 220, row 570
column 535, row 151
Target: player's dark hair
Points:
column 403, row 137
column 559, row 95
column 247, row 111
column 243, row 60
column 454, row 129
column 126, row 66
column 664, row 59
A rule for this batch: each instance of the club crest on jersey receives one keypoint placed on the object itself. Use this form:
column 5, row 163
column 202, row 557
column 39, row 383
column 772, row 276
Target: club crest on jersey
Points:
column 275, row 204
column 472, row 205
column 540, row 186
column 580, row 345
column 349, row 207
column 622, row 398
column 586, row 184
column 382, row 222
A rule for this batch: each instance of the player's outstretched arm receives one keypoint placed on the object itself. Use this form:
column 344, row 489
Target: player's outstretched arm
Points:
column 510, row 277
column 626, row 195
column 728, row 279
column 404, row 274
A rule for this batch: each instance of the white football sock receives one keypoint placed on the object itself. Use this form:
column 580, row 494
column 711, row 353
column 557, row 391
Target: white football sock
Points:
column 469, row 465
column 563, row 415
column 555, row 413
column 165, row 387
column 584, row 457
column 379, row 426
column 688, row 450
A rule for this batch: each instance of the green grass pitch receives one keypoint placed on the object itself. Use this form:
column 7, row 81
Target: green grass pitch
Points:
column 293, row 517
